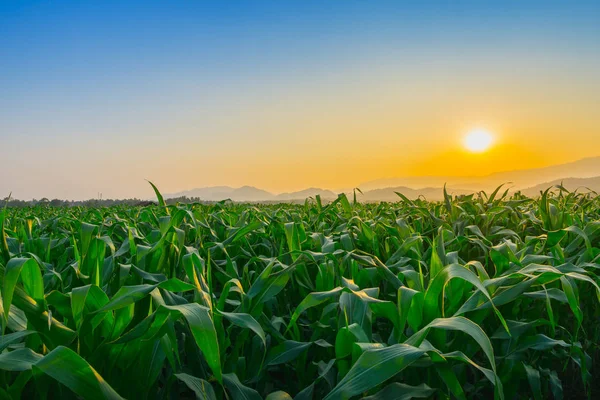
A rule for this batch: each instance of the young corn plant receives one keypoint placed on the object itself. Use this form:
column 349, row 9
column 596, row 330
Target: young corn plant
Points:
column 479, row 296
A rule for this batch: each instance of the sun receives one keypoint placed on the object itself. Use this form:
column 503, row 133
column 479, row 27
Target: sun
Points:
column 478, row 140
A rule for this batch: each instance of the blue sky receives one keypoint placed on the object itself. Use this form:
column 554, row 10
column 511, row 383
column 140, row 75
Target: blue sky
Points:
column 97, row 96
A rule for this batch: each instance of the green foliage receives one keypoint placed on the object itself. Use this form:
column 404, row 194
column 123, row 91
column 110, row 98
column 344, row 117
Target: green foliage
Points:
column 472, row 297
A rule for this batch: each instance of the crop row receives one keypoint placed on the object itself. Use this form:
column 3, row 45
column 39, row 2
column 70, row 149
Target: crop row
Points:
column 477, row 296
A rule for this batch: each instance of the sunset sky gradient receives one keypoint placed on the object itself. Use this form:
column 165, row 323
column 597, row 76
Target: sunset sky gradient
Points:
column 98, row 96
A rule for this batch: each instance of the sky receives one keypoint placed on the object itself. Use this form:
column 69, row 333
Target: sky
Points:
column 97, row 97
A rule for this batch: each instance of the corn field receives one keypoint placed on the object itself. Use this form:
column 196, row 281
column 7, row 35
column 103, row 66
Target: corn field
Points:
column 481, row 296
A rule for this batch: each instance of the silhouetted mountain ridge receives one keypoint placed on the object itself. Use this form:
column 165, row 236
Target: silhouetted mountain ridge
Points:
column 582, row 173
column 582, row 185
column 519, row 179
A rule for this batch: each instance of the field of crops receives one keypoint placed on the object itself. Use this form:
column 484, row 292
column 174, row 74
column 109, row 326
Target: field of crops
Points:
column 485, row 296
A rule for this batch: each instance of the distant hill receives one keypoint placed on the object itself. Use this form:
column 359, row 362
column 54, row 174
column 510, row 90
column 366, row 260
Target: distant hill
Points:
column 520, row 179
column 413, row 182
column 582, row 185
column 250, row 193
column 584, row 168
column 582, row 173
column 303, row 194
column 389, row 194
column 217, row 193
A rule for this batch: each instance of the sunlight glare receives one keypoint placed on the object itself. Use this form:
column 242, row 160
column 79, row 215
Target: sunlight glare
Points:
column 478, row 140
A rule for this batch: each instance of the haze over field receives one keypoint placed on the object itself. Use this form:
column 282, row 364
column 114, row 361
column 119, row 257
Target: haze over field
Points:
column 285, row 96
column 582, row 175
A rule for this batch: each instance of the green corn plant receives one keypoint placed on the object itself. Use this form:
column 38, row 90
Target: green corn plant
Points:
column 478, row 296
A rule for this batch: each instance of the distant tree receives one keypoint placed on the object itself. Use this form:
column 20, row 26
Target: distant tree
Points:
column 56, row 203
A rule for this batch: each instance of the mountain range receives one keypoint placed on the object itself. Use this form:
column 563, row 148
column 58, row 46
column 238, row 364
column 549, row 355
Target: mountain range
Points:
column 582, row 175
column 250, row 193
column 518, row 179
